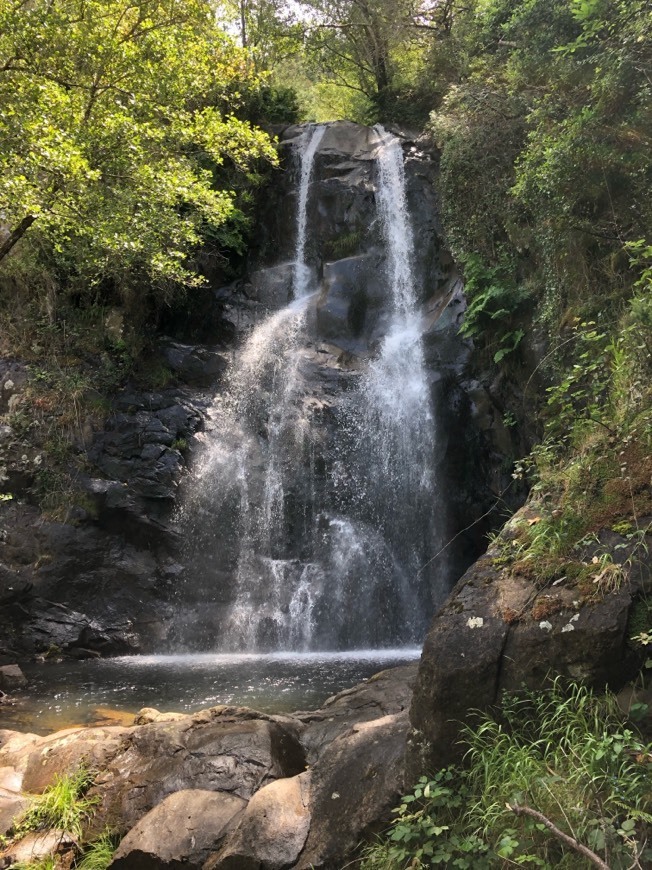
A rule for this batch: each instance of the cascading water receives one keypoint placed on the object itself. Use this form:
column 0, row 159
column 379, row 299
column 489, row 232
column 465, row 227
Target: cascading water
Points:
column 308, row 148
column 395, row 423
column 308, row 541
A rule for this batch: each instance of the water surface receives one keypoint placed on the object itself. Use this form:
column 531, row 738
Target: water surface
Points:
column 107, row 690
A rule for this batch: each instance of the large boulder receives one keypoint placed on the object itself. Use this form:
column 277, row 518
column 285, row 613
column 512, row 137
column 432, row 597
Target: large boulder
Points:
column 500, row 630
column 272, row 831
column 384, row 694
column 353, row 787
column 180, row 832
column 226, row 749
column 37, row 760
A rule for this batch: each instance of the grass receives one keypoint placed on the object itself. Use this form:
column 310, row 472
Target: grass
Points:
column 566, row 753
column 63, row 806
column 48, row 863
column 99, row 854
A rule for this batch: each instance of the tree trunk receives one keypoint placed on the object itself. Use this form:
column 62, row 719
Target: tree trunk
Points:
column 16, row 235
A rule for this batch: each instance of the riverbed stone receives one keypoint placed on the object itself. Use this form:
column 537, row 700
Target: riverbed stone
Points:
column 181, row 831
column 227, row 749
column 11, row 677
column 272, row 830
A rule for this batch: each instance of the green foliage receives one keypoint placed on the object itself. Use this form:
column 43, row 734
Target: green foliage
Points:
column 494, row 300
column 99, row 854
column 565, row 753
column 62, row 806
column 118, row 138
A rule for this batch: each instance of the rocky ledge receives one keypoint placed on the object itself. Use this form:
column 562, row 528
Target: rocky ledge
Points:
column 227, row 787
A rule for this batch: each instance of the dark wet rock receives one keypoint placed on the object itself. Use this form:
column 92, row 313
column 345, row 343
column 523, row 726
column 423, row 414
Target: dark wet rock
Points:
column 272, row 286
column 223, row 749
column 193, row 364
column 11, row 677
column 272, row 830
column 349, row 303
column 499, row 631
column 181, row 831
column 68, row 586
column 142, row 444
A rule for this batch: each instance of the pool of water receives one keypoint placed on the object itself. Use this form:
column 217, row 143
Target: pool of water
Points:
column 111, row 690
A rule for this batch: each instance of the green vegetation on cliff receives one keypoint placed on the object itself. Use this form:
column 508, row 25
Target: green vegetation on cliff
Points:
column 128, row 165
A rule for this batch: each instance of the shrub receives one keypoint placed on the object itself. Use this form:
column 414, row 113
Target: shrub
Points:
column 565, row 754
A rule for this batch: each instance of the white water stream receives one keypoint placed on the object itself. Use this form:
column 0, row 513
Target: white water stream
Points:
column 328, row 560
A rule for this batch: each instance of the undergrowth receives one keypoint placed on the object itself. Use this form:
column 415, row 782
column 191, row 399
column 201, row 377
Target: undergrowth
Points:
column 567, row 755
column 65, row 806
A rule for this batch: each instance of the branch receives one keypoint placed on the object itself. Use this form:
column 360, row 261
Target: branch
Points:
column 16, row 235
column 554, row 830
column 499, row 498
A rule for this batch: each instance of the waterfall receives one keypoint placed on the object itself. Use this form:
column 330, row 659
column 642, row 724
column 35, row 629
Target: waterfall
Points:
column 397, row 427
column 313, row 534
column 308, row 146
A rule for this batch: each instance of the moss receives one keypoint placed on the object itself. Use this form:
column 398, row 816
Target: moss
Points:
column 546, row 605
column 640, row 618
column 345, row 245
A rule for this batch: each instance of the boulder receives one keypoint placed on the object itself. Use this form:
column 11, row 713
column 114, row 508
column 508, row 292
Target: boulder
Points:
column 38, row 760
column 353, row 787
column 11, row 677
column 180, row 832
column 272, row 830
column 227, row 749
column 386, row 693
column 500, row 631
column 33, row 848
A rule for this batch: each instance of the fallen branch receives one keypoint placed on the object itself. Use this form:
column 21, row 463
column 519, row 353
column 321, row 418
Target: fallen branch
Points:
column 565, row 838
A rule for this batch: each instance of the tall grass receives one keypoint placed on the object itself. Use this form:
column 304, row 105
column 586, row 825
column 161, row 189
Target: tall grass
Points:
column 62, row 806
column 565, row 753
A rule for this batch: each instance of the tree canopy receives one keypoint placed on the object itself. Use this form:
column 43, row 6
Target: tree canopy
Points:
column 119, row 133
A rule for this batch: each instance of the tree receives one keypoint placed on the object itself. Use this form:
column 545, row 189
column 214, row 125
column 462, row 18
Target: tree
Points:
column 376, row 46
column 269, row 29
column 118, row 133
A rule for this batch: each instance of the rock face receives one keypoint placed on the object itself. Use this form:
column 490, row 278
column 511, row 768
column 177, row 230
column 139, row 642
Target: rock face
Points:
column 102, row 582
column 500, row 631
column 345, row 323
column 228, row 787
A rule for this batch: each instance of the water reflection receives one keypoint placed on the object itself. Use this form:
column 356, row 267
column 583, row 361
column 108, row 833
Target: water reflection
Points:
column 109, row 691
